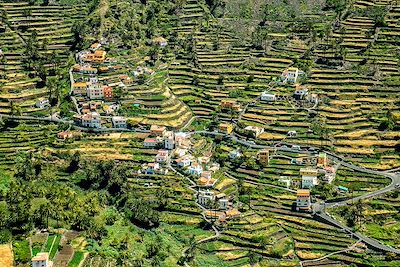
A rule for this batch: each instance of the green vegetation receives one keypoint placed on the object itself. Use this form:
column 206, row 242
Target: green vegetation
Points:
column 76, row 259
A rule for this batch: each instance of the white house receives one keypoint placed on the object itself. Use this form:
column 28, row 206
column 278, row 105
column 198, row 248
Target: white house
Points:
column 152, row 168
column 291, row 133
column 265, row 96
column 91, row 120
column 118, row 122
column 150, row 142
column 184, row 161
column 41, row 260
column 195, row 169
column 291, row 75
column 235, row 154
column 162, row 156
column 205, row 197
column 95, row 91
column 169, row 141
column 254, row 129
column 42, row 103
column 309, row 177
column 300, row 93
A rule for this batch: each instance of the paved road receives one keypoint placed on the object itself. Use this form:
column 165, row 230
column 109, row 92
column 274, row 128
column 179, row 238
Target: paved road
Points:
column 319, row 210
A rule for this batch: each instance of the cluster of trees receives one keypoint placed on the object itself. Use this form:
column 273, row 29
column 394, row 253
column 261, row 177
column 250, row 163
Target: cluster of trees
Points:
column 37, row 198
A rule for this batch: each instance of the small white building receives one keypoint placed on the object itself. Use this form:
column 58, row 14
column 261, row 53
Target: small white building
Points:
column 265, row 96
column 42, row 103
column 91, row 120
column 291, row 133
column 118, row 122
column 162, row 156
column 309, row 177
column 41, row 260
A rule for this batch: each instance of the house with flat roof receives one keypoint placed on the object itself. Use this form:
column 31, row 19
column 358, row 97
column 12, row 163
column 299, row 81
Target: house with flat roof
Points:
column 162, row 156
column 309, row 177
column 291, row 75
column 118, row 122
column 303, row 200
column 91, row 120
column 184, row 161
column 205, row 197
column 169, row 141
column 195, row 169
column 263, row 156
column 268, row 97
column 300, row 93
column 42, row 103
column 156, row 130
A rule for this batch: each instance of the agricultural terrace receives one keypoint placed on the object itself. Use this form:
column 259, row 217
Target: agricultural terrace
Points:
column 35, row 43
column 377, row 218
column 353, row 69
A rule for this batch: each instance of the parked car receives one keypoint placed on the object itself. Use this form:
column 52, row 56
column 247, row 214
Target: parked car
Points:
column 296, row 147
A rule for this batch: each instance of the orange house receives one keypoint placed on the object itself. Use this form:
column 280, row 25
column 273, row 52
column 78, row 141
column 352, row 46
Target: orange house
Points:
column 108, row 92
column 98, row 56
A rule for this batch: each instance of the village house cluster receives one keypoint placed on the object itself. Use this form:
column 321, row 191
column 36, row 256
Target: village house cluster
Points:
column 323, row 170
column 170, row 145
column 94, row 95
column 293, row 76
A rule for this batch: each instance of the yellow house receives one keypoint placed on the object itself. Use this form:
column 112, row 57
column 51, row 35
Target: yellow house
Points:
column 226, row 128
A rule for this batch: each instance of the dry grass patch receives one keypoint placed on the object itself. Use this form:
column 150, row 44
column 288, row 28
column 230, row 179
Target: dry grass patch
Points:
column 6, row 256
column 272, row 136
column 350, row 150
column 306, row 255
column 231, row 256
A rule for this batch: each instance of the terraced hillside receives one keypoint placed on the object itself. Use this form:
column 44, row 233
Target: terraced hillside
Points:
column 23, row 80
column 353, row 68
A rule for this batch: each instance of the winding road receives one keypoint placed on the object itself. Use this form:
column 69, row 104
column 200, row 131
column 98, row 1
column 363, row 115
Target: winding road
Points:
column 318, row 208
